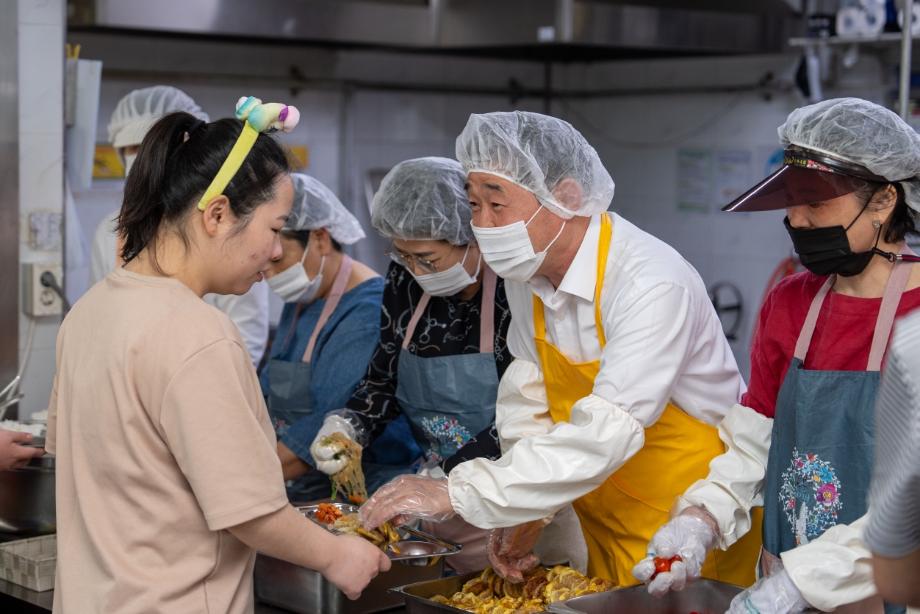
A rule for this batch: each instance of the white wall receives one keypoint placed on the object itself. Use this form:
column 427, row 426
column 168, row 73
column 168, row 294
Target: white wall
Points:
column 637, row 135
column 41, row 143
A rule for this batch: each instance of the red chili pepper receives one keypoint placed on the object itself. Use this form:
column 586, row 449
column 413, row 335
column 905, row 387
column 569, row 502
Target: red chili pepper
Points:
column 662, row 565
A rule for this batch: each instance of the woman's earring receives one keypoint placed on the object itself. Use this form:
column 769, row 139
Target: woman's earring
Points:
column 876, row 224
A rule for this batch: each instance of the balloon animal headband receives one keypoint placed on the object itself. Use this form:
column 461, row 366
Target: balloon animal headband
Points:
column 257, row 118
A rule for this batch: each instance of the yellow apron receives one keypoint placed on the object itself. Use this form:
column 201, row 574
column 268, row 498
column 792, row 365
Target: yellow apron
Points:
column 619, row 517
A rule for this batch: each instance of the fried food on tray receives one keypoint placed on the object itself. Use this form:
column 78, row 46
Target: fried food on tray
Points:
column 489, row 593
column 382, row 536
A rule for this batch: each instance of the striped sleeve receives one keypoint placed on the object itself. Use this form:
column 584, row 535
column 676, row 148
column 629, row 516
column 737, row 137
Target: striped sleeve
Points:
column 894, row 513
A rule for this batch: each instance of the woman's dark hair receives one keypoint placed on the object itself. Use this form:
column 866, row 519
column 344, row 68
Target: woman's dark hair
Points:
column 176, row 162
column 303, row 237
column 902, row 222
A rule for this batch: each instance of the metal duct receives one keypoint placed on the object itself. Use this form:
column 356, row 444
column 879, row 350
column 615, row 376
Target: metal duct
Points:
column 556, row 30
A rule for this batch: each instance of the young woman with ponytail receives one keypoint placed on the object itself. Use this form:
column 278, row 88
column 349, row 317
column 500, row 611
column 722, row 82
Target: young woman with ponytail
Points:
column 167, row 476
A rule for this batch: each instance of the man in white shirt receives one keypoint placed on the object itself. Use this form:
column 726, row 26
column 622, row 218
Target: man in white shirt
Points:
column 133, row 117
column 621, row 367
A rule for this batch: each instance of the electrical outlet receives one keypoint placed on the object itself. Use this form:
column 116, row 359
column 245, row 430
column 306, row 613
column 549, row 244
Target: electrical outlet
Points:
column 39, row 300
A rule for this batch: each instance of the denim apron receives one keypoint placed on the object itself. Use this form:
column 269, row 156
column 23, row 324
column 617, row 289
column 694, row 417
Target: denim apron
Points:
column 821, row 450
column 289, row 382
column 448, row 401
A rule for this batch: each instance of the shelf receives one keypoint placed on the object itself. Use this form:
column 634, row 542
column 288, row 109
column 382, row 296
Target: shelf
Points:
column 883, row 39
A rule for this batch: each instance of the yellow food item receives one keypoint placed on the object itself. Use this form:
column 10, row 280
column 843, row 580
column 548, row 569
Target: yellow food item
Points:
column 382, row 537
column 489, row 593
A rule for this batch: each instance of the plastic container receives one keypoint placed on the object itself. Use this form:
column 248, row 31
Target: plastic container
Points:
column 29, row 562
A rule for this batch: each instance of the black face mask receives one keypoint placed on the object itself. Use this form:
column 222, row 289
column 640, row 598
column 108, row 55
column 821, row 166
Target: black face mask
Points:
column 824, row 251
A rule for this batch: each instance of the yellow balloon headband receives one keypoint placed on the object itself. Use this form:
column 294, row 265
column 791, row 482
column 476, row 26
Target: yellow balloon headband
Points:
column 256, row 117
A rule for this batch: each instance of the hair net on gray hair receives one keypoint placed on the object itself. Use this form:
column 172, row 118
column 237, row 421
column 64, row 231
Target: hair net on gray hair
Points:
column 539, row 153
column 861, row 132
column 424, row 199
column 315, row 207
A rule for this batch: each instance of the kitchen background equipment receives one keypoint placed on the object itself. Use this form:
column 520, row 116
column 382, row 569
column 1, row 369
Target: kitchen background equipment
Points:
column 302, row 590
column 703, row 596
column 27, row 497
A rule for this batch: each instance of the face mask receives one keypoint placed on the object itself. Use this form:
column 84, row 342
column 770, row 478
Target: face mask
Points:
column 129, row 162
column 293, row 285
column 508, row 250
column 824, row 251
column 449, row 282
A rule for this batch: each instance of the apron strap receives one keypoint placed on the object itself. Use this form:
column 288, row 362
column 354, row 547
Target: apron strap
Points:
column 897, row 282
column 332, row 301
column 487, row 314
column 808, row 328
column 487, row 311
column 603, row 250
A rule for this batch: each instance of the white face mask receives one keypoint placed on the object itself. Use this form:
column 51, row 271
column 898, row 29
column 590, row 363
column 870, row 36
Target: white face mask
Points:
column 449, row 282
column 508, row 250
column 129, row 162
column 293, row 284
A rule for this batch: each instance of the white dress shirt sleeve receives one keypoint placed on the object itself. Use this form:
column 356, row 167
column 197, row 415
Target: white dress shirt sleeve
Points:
column 647, row 340
column 735, row 481
column 102, row 253
column 250, row 314
column 835, row 569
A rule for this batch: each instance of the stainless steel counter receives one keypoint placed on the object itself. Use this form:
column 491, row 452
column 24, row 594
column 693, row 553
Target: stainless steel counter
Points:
column 15, row 598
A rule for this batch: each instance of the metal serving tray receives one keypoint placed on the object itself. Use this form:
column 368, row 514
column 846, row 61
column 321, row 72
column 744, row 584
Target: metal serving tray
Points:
column 702, row 597
column 418, row 595
column 282, row 584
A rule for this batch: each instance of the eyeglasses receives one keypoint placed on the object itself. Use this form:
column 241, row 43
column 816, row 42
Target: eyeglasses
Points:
column 410, row 262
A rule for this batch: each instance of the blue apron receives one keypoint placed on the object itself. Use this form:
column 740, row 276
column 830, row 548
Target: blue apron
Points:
column 450, row 399
column 289, row 382
column 289, row 402
column 820, row 461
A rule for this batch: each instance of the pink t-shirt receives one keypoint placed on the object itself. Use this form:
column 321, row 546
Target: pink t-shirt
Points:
column 162, row 441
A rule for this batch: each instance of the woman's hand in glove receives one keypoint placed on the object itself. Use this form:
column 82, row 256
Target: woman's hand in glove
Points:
column 677, row 551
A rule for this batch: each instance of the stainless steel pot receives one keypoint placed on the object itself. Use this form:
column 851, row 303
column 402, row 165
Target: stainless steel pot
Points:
column 27, row 498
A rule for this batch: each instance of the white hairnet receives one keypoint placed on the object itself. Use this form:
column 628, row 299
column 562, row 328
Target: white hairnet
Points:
column 315, row 207
column 538, row 152
column 139, row 110
column 861, row 132
column 424, row 200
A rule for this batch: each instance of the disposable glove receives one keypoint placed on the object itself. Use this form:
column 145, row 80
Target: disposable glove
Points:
column 407, row 497
column 328, row 457
column 511, row 549
column 776, row 594
column 689, row 536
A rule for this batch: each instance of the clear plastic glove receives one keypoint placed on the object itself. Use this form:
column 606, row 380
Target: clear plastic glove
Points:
column 407, row 497
column 776, row 594
column 690, row 536
column 329, row 458
column 511, row 549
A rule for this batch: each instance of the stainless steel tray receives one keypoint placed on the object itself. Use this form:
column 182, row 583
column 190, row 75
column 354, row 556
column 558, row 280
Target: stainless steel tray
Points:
column 282, row 584
column 703, row 596
column 418, row 595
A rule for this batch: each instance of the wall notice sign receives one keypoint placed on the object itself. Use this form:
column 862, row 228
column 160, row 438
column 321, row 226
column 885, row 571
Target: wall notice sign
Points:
column 694, row 179
column 733, row 170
